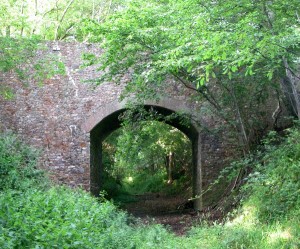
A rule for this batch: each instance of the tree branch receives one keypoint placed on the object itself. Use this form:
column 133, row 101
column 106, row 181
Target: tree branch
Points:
column 199, row 90
column 62, row 17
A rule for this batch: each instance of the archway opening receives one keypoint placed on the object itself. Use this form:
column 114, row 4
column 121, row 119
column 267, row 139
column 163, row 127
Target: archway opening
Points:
column 147, row 168
column 110, row 122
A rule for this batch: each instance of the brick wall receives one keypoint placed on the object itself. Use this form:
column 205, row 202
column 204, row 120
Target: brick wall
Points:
column 50, row 117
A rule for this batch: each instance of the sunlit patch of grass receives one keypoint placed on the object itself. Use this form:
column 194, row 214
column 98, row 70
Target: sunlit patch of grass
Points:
column 274, row 236
column 247, row 217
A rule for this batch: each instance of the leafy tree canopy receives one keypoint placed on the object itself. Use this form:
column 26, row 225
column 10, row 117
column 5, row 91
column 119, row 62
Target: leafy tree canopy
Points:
column 199, row 39
column 51, row 19
column 229, row 53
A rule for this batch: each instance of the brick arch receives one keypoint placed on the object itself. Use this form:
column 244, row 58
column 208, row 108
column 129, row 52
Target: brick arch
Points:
column 106, row 120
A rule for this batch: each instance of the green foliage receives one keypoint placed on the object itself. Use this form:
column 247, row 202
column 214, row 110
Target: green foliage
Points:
column 241, row 233
column 144, row 142
column 144, row 183
column 148, row 144
column 275, row 180
column 15, row 52
column 269, row 213
column 19, row 56
column 48, row 67
column 112, row 186
column 58, row 217
column 268, row 216
column 18, row 164
column 64, row 218
column 52, row 19
column 230, row 54
column 139, row 150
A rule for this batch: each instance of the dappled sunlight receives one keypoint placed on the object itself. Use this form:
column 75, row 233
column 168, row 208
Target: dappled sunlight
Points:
column 247, row 218
column 279, row 235
column 129, row 179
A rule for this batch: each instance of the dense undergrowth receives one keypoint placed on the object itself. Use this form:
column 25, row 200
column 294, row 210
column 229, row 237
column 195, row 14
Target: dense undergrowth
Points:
column 33, row 215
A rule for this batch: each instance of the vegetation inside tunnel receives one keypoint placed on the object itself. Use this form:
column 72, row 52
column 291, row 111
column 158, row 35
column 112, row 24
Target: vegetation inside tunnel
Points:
column 149, row 161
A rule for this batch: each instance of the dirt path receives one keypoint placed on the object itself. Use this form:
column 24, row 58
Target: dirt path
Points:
column 166, row 210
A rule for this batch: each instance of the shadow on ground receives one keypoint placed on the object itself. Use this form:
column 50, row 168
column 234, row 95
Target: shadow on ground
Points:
column 174, row 212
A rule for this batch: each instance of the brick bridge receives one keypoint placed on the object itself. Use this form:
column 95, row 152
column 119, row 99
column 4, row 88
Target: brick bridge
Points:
column 68, row 119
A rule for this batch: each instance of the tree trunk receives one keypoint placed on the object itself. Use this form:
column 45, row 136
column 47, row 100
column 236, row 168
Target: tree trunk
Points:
column 241, row 127
column 62, row 18
column 35, row 15
column 22, row 12
column 7, row 31
column 170, row 166
column 294, row 84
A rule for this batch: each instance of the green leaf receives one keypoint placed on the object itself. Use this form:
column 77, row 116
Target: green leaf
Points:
column 234, row 69
column 201, row 82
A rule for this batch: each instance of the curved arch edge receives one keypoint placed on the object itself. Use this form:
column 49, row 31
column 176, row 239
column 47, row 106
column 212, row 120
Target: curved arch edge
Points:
column 173, row 105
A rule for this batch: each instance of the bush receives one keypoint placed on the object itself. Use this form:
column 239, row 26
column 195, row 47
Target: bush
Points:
column 58, row 217
column 64, row 218
column 144, row 182
column 274, row 183
column 18, row 164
